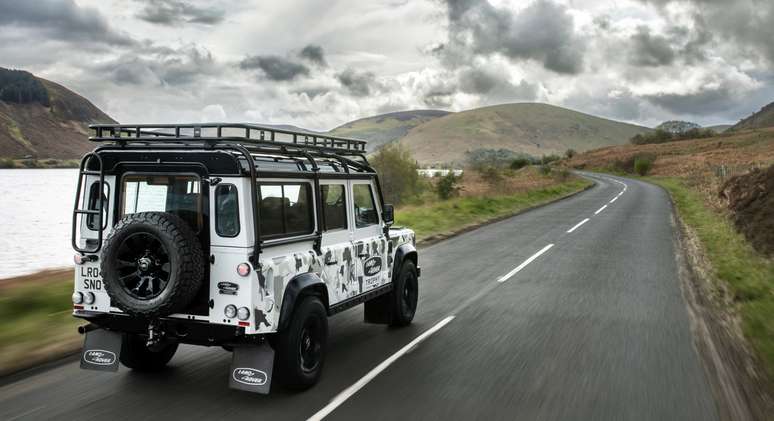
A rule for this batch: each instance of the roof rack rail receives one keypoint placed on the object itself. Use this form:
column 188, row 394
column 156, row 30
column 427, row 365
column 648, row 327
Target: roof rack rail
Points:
column 214, row 133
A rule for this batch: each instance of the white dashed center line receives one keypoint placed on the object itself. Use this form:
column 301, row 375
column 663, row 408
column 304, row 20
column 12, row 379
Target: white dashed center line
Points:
column 577, row 225
column 600, row 209
column 524, row 264
column 348, row 392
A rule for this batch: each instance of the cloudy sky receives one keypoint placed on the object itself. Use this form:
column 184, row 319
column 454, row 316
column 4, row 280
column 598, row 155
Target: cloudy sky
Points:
column 318, row 64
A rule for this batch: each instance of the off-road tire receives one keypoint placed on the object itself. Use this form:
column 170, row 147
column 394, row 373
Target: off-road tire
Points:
column 186, row 264
column 404, row 307
column 135, row 355
column 288, row 366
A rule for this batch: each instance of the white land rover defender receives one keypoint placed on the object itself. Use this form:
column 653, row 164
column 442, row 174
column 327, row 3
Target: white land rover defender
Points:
column 232, row 235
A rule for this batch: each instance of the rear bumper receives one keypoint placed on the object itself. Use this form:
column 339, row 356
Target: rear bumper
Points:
column 184, row 331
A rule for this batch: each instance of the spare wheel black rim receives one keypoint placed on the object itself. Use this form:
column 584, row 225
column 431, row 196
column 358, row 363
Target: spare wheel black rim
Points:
column 310, row 345
column 143, row 266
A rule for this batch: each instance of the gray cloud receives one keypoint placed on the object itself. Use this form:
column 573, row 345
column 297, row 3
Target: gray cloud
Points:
column 357, row 83
column 749, row 24
column 650, row 50
column 274, row 67
column 543, row 31
column 492, row 85
column 161, row 66
column 706, row 101
column 313, row 53
column 62, row 20
column 175, row 11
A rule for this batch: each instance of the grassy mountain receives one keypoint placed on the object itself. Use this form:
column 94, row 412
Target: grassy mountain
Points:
column 42, row 119
column 385, row 128
column 759, row 120
column 719, row 128
column 535, row 129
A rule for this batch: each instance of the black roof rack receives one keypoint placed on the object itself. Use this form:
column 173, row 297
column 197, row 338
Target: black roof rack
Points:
column 238, row 139
column 213, row 134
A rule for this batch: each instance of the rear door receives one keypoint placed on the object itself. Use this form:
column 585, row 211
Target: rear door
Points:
column 370, row 244
column 338, row 269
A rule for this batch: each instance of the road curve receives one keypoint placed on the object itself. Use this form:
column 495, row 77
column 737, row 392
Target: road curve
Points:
column 520, row 319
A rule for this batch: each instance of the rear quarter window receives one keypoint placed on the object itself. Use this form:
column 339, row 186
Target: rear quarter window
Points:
column 226, row 210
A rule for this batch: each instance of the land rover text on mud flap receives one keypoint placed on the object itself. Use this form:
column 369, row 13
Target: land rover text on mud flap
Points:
column 232, row 235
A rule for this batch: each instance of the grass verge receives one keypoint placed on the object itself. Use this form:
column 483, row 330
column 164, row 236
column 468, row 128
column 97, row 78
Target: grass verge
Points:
column 454, row 215
column 37, row 321
column 749, row 275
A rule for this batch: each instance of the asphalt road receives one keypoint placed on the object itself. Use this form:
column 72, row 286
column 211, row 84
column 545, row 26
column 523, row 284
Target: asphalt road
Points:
column 594, row 328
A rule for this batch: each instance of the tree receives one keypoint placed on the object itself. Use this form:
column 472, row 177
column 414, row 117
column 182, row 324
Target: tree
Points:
column 397, row 173
column 569, row 153
column 448, row 186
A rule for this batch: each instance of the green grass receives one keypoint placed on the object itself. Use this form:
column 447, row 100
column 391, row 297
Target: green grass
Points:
column 749, row 275
column 449, row 216
column 37, row 322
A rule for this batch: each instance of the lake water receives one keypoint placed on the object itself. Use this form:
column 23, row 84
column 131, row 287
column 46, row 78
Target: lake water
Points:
column 36, row 208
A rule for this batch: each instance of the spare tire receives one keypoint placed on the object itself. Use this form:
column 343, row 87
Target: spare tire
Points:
column 152, row 264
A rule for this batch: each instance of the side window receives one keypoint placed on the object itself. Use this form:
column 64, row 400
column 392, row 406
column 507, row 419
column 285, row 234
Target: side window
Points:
column 365, row 208
column 334, row 206
column 286, row 209
column 92, row 221
column 226, row 210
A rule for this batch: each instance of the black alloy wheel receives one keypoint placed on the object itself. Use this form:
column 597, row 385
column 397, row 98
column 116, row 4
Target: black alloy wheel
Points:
column 143, row 265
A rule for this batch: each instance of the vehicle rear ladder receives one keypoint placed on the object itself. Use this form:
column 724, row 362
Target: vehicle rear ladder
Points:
column 79, row 197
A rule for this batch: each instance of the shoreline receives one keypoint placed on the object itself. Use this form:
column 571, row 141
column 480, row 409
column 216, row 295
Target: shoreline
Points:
column 44, row 275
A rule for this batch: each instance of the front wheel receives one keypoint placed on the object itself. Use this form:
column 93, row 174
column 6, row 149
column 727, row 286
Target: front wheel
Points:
column 404, row 295
column 136, row 355
column 300, row 348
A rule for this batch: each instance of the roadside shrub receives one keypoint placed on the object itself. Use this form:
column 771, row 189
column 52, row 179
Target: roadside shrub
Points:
column 491, row 174
column 448, row 186
column 662, row 136
column 31, row 163
column 547, row 159
column 520, row 163
column 545, row 169
column 569, row 153
column 643, row 164
column 6, row 163
column 397, row 173
column 562, row 174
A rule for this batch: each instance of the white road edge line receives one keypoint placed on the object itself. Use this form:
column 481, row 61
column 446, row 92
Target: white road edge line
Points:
column 600, row 209
column 348, row 392
column 578, row 225
column 614, row 199
column 524, row 264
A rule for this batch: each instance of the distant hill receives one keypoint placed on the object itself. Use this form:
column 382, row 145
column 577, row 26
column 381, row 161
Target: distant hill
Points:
column 531, row 128
column 761, row 119
column 676, row 126
column 42, row 119
column 385, row 128
column 719, row 128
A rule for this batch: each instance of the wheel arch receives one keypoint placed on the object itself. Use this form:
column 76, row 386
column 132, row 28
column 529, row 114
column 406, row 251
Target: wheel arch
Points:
column 403, row 253
column 301, row 286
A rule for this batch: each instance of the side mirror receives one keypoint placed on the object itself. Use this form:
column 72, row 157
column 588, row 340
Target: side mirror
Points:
column 388, row 214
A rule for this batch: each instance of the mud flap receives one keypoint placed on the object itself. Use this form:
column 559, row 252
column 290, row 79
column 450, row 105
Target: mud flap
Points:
column 101, row 350
column 251, row 368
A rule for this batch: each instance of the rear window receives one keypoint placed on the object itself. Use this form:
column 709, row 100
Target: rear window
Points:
column 226, row 210
column 286, row 209
column 176, row 194
column 334, row 206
